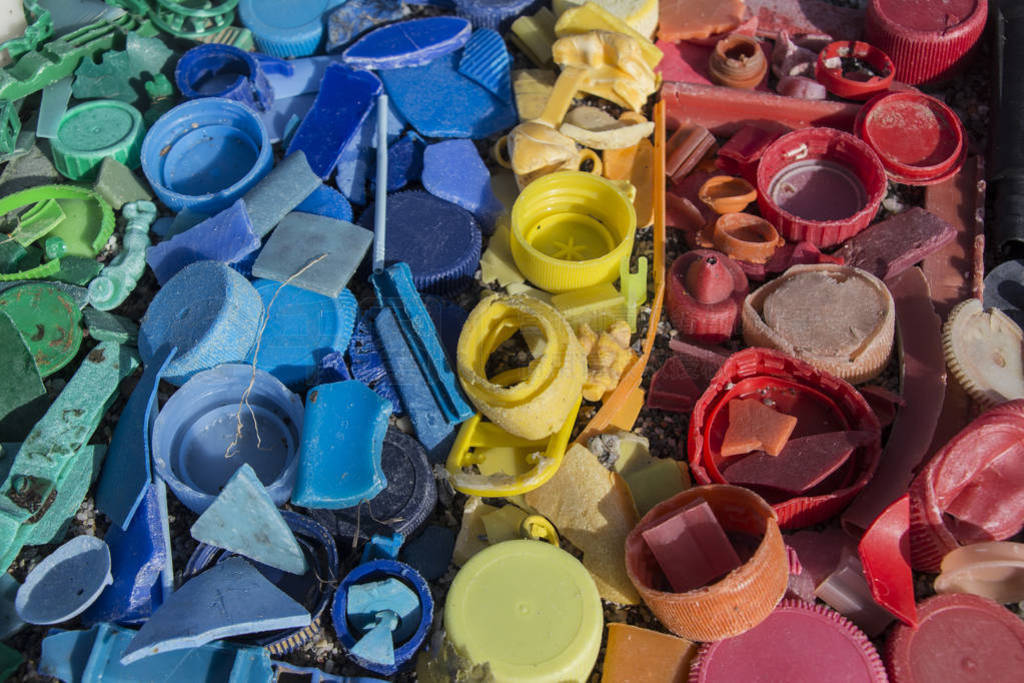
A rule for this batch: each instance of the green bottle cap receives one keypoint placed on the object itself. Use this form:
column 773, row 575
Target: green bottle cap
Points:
column 93, row 131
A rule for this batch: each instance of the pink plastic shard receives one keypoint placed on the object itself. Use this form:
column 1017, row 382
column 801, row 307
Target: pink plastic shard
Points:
column 683, row 19
column 801, row 585
column 724, row 111
column 847, row 592
column 885, row 555
column 787, row 255
column 682, row 214
column 701, row 363
column 672, row 388
column 889, row 247
column 691, row 547
column 789, row 59
column 739, row 156
column 685, row 149
column 802, row 87
column 803, row 463
column 884, row 402
column 820, row 551
column 924, row 378
column 806, row 17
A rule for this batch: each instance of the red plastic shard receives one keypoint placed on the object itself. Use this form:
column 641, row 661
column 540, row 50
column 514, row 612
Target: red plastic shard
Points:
column 806, row 17
column 889, row 247
column 884, row 402
column 885, row 554
column 683, row 19
column 691, row 547
column 803, row 463
column 755, row 426
column 819, row 551
column 739, row 156
column 672, row 388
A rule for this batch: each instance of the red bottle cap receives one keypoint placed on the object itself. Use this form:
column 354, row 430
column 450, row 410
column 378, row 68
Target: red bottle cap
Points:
column 926, row 39
column 820, row 185
column 971, row 490
column 705, row 292
column 959, row 637
column 821, row 403
column 919, row 140
column 854, row 83
column 797, row 643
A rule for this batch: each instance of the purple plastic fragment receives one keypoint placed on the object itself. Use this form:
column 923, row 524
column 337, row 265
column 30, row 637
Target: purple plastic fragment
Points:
column 226, row 237
column 889, row 247
column 408, row 43
column 345, row 98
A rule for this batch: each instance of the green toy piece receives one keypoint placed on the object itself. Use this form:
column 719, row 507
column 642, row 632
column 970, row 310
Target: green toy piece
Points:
column 120, row 276
column 22, row 382
column 10, row 127
column 53, row 469
column 49, row 321
column 105, row 326
column 93, row 131
column 120, row 75
column 116, row 183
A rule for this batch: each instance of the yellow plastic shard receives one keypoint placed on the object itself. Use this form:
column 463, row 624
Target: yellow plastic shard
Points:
column 651, row 480
column 593, row 17
column 598, row 306
column 532, row 88
column 505, row 465
column 640, row 15
column 570, row 81
column 634, row 164
column 534, row 35
column 615, row 65
column 607, row 359
column 536, row 149
column 537, row 406
column 593, row 510
column 496, row 263
column 595, row 128
column 503, row 523
column 472, row 536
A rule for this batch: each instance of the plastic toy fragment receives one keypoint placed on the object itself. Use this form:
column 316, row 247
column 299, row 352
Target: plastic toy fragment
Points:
column 205, row 432
column 634, row 651
column 592, row 509
column 66, row 582
column 248, row 603
column 118, row 278
column 342, row 437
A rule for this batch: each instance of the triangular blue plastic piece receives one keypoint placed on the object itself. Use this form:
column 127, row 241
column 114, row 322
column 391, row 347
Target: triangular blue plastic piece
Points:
column 244, row 520
column 378, row 644
column 230, row 599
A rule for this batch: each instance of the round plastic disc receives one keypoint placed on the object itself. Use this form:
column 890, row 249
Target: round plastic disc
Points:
column 49, row 321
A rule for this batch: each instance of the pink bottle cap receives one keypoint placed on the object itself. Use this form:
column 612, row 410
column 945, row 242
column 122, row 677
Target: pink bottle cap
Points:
column 959, row 637
column 820, row 185
column 919, row 139
column 797, row 643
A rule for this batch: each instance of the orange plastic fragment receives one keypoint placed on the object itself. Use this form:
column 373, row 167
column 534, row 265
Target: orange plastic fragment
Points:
column 753, row 426
column 686, row 19
column 639, row 655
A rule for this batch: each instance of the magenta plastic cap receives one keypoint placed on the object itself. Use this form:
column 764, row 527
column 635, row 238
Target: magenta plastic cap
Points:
column 820, row 185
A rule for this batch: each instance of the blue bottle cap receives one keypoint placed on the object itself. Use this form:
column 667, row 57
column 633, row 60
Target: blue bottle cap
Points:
column 206, row 153
column 215, row 70
column 286, row 28
column 495, row 14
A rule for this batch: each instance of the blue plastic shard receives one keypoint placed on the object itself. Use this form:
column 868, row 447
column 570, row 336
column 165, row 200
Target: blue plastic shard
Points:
column 377, row 645
column 10, row 622
column 239, row 600
column 368, row 364
column 137, row 557
column 486, row 60
column 227, row 237
column 405, row 162
column 367, row 600
column 355, row 16
column 328, row 202
column 302, row 76
column 185, row 219
column 279, row 118
column 66, row 582
column 429, row 388
column 426, row 97
column 280, row 191
column 127, row 469
column 304, row 237
column 381, row 547
column 244, row 520
column 356, row 160
column 454, row 171
column 342, row 437
column 430, row 553
column 94, row 656
column 345, row 98
column 408, row 43
column 332, row 368
column 301, row 327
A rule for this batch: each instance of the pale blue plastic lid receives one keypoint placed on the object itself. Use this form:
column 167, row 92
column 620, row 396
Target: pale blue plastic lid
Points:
column 286, row 28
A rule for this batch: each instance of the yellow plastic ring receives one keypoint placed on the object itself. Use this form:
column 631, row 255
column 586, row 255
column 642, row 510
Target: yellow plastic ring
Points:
column 530, row 402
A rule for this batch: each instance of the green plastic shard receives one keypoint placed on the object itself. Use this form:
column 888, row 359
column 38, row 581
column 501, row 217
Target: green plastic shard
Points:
column 10, row 127
column 22, row 382
column 40, row 219
column 120, row 75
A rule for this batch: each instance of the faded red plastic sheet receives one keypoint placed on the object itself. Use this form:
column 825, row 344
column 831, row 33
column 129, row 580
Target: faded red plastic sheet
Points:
column 885, row 555
column 814, row 18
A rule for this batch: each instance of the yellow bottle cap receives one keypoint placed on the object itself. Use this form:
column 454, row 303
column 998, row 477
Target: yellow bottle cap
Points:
column 528, row 609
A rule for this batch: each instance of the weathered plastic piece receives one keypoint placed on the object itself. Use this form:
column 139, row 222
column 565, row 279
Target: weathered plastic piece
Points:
column 196, row 442
column 454, row 171
column 201, row 23
column 279, row 192
column 66, row 582
column 214, row 70
column 52, row 106
column 244, row 520
column 26, row 31
column 27, row 171
column 209, row 311
column 137, row 557
column 346, row 97
column 118, row 185
column 367, row 600
column 328, row 202
column 127, row 471
column 354, row 165
column 118, row 278
column 227, row 237
column 94, row 130
column 480, row 113
column 847, row 591
column 121, row 75
column 382, row 547
column 408, row 43
column 22, row 381
column 691, row 547
column 10, row 622
column 53, row 469
column 58, row 58
column 93, row 656
column 339, row 460
column 301, row 238
column 430, row 553
column 885, row 556
column 486, row 60
column 247, row 603
column 354, row 17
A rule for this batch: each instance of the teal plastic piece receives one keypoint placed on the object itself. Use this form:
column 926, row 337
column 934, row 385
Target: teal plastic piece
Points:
column 10, row 660
column 93, row 656
column 119, row 277
column 10, row 622
column 37, row 221
column 342, row 437
column 22, row 382
column 378, row 644
column 382, row 548
column 93, row 131
column 54, row 467
column 104, row 326
column 120, row 74
column 58, row 58
column 193, row 20
column 230, row 599
column 52, row 106
column 10, row 127
column 244, row 520
column 116, row 183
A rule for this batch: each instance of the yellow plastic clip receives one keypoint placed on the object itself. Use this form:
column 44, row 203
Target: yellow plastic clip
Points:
column 633, row 287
